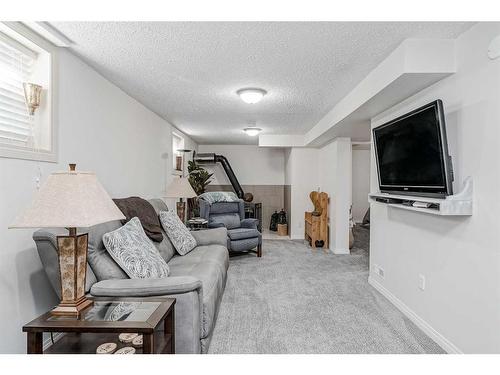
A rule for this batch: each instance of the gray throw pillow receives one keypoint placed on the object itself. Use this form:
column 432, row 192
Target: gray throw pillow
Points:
column 134, row 252
column 180, row 236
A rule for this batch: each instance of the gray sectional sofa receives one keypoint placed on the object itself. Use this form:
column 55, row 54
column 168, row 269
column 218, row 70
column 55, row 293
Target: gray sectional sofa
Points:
column 196, row 280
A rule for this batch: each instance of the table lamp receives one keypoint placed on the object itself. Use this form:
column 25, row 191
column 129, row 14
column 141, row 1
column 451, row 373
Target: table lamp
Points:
column 180, row 188
column 71, row 200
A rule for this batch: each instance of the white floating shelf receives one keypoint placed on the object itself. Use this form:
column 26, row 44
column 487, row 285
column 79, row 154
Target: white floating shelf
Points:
column 453, row 205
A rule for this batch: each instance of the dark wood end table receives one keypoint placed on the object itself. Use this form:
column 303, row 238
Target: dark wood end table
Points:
column 101, row 323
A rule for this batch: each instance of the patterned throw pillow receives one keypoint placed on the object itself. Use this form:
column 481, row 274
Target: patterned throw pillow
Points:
column 180, row 236
column 134, row 252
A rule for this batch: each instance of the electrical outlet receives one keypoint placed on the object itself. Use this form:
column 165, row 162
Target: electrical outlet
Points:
column 421, row 282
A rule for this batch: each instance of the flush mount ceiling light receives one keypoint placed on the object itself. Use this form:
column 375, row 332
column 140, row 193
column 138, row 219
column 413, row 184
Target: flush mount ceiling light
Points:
column 251, row 96
column 252, row 131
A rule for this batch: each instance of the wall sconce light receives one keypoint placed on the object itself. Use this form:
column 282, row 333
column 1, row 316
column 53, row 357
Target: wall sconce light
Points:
column 32, row 96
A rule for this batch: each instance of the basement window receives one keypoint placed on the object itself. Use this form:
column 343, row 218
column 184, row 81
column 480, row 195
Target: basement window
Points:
column 25, row 60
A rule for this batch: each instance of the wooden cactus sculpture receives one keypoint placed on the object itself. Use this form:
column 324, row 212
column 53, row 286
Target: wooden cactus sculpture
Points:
column 315, row 198
column 316, row 222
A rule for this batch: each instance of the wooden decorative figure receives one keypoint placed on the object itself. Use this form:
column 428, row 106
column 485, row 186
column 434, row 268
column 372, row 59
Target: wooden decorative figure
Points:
column 316, row 222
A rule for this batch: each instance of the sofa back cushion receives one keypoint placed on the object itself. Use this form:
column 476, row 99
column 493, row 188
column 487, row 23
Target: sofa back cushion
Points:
column 165, row 247
column 100, row 261
column 103, row 264
column 227, row 208
column 159, row 205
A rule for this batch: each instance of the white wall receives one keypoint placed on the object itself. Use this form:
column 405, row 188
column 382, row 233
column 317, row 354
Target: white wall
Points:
column 252, row 165
column 360, row 183
column 459, row 256
column 301, row 165
column 101, row 129
column 335, row 160
column 327, row 169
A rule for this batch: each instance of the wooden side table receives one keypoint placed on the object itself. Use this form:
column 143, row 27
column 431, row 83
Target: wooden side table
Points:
column 197, row 224
column 154, row 318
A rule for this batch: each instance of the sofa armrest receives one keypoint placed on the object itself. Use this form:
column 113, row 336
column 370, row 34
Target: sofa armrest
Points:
column 249, row 223
column 216, row 236
column 145, row 287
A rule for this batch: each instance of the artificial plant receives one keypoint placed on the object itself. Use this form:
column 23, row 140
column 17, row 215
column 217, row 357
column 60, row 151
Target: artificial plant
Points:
column 199, row 178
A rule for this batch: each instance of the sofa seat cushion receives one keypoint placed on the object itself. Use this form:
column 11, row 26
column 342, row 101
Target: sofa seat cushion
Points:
column 216, row 254
column 208, row 264
column 242, row 233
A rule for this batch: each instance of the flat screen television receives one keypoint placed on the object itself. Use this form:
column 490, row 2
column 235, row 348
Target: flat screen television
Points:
column 412, row 154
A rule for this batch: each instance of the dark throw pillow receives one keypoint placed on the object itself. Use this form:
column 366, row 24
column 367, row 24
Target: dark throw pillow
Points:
column 142, row 209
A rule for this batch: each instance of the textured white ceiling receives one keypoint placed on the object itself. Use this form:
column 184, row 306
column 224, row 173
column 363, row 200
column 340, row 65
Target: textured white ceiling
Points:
column 189, row 72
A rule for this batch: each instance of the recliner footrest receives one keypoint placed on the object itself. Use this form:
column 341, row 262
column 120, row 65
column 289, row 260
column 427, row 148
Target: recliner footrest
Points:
column 242, row 233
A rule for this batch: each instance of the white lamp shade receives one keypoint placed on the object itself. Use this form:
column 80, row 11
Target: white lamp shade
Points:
column 69, row 199
column 180, row 188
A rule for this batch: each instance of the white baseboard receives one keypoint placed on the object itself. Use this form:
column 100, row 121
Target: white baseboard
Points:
column 442, row 341
column 341, row 251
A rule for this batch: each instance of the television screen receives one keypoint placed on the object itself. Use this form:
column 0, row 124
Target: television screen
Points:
column 412, row 153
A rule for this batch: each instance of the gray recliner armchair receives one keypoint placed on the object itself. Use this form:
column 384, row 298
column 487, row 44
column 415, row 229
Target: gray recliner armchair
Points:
column 242, row 234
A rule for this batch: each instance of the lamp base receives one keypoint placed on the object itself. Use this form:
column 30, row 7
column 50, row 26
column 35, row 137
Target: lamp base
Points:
column 181, row 210
column 72, row 308
column 72, row 251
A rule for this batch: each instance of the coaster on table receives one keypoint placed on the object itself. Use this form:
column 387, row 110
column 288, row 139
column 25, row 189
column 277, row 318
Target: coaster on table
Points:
column 137, row 341
column 106, row 348
column 127, row 338
column 126, row 350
